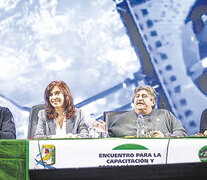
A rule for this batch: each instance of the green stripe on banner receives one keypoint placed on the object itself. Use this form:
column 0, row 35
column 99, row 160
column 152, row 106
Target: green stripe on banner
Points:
column 130, row 147
column 27, row 160
column 12, row 159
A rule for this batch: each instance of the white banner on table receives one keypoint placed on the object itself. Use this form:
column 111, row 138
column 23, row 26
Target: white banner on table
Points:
column 187, row 150
column 75, row 153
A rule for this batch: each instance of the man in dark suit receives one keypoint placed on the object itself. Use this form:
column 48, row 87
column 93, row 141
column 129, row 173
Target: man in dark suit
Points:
column 203, row 123
column 7, row 126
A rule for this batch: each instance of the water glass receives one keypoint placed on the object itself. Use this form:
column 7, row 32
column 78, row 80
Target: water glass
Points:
column 92, row 132
column 102, row 129
column 149, row 128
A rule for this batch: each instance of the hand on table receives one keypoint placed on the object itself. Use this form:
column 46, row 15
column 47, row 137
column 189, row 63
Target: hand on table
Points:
column 158, row 134
column 205, row 133
column 99, row 125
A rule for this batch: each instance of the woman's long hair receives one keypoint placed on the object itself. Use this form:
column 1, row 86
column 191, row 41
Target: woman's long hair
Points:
column 68, row 104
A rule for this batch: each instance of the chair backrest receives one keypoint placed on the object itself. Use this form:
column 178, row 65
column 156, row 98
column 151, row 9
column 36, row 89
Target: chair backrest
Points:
column 110, row 116
column 33, row 119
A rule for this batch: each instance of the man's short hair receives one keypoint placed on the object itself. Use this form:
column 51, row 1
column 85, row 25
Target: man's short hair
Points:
column 151, row 91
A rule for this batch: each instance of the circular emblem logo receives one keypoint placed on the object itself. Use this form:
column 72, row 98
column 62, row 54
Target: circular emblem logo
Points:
column 203, row 154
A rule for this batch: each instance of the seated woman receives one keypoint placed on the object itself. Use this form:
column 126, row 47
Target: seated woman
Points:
column 60, row 119
column 203, row 123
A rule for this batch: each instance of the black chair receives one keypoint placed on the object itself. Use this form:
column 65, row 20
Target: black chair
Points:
column 110, row 116
column 33, row 119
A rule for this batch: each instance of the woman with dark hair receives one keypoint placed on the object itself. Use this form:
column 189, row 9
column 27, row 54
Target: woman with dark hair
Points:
column 60, row 119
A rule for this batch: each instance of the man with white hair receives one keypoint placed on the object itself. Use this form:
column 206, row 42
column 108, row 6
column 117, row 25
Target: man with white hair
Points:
column 164, row 122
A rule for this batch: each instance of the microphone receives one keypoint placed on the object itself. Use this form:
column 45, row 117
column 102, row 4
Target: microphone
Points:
column 163, row 104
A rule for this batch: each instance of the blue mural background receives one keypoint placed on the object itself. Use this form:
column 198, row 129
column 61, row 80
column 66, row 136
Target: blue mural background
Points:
column 85, row 43
column 174, row 36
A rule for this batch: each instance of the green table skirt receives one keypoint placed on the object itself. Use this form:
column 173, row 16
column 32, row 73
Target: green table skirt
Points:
column 12, row 159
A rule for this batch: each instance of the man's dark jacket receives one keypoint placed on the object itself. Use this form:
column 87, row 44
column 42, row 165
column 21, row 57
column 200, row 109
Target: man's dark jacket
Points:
column 7, row 126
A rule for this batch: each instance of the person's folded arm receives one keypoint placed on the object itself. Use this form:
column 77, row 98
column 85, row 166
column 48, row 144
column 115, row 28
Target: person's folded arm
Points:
column 8, row 130
column 40, row 130
column 203, row 122
column 177, row 128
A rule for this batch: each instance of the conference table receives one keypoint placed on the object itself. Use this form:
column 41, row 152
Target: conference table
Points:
column 33, row 159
